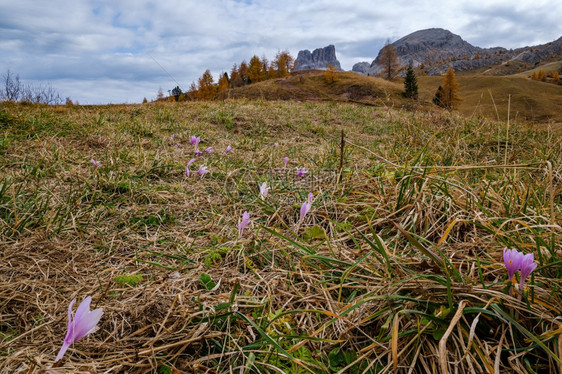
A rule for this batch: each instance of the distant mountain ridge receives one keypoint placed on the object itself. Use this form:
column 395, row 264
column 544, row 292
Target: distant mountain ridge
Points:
column 434, row 50
column 320, row 58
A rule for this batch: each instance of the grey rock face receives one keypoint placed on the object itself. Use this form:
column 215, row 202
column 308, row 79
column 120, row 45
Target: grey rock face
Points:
column 319, row 59
column 437, row 49
column 361, row 67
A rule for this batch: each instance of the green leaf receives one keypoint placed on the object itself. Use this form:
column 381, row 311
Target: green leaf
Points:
column 206, row 281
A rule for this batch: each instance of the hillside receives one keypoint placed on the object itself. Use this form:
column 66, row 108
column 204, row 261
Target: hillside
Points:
column 531, row 100
column 311, row 85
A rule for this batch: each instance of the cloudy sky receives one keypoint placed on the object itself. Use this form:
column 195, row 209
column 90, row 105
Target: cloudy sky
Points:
column 119, row 51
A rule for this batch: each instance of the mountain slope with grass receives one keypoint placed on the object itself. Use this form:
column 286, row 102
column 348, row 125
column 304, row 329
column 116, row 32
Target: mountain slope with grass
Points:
column 530, row 100
column 397, row 265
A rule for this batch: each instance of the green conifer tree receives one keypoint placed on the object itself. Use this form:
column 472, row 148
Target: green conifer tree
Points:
column 410, row 84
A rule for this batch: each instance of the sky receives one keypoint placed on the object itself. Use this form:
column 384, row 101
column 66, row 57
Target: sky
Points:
column 120, row 51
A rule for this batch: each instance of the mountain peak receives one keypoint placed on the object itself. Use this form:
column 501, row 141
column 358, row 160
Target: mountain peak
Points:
column 320, row 58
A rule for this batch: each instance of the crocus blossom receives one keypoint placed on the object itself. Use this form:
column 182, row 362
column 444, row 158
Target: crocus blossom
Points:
column 198, row 152
column 228, row 149
column 301, row 172
column 310, row 198
column 305, row 207
column 527, row 266
column 195, row 140
column 83, row 323
column 276, row 145
column 202, row 170
column 286, row 161
column 243, row 222
column 209, row 150
column 95, row 163
column 264, row 190
column 512, row 260
column 187, row 171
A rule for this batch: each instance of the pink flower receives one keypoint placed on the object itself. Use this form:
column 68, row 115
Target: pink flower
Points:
column 286, row 160
column 195, row 140
column 275, row 145
column 187, row 171
column 209, row 150
column 84, row 322
column 301, row 172
column 97, row 164
column 527, row 266
column 512, row 260
column 228, row 149
column 243, row 222
column 264, row 190
column 305, row 207
column 202, row 170
column 198, row 152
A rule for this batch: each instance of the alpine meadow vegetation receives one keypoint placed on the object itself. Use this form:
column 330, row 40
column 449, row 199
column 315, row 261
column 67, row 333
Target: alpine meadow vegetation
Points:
column 277, row 236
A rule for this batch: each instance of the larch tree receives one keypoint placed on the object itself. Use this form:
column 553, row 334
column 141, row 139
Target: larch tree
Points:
column 235, row 79
column 330, row 74
column 411, row 84
column 255, row 70
column 223, row 83
column 284, row 63
column 207, row 89
column 448, row 97
column 388, row 61
column 243, row 72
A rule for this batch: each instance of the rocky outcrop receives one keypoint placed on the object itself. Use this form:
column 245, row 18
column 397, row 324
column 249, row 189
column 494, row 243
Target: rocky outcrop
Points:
column 361, row 67
column 437, row 49
column 319, row 59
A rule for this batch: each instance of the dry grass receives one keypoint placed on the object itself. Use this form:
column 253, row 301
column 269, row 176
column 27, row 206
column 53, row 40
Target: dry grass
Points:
column 487, row 97
column 396, row 268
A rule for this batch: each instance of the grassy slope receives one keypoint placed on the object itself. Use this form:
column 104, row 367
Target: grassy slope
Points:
column 344, row 277
column 311, row 85
column 530, row 100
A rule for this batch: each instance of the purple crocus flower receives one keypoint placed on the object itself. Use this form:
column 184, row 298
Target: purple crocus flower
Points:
column 286, row 161
column 209, row 150
column 512, row 261
column 301, row 172
column 187, row 171
column 527, row 266
column 264, row 190
column 83, row 324
column 243, row 222
column 202, row 170
column 195, row 140
column 275, row 145
column 228, row 149
column 310, row 198
column 95, row 163
column 198, row 152
column 305, row 207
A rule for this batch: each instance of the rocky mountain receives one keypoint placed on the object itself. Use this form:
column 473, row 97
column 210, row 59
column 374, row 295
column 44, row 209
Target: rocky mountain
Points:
column 319, row 59
column 434, row 50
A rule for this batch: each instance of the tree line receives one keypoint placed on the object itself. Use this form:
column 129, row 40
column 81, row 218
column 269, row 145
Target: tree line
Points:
column 257, row 70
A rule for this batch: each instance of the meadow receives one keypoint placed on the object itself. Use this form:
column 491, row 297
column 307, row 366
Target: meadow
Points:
column 397, row 266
